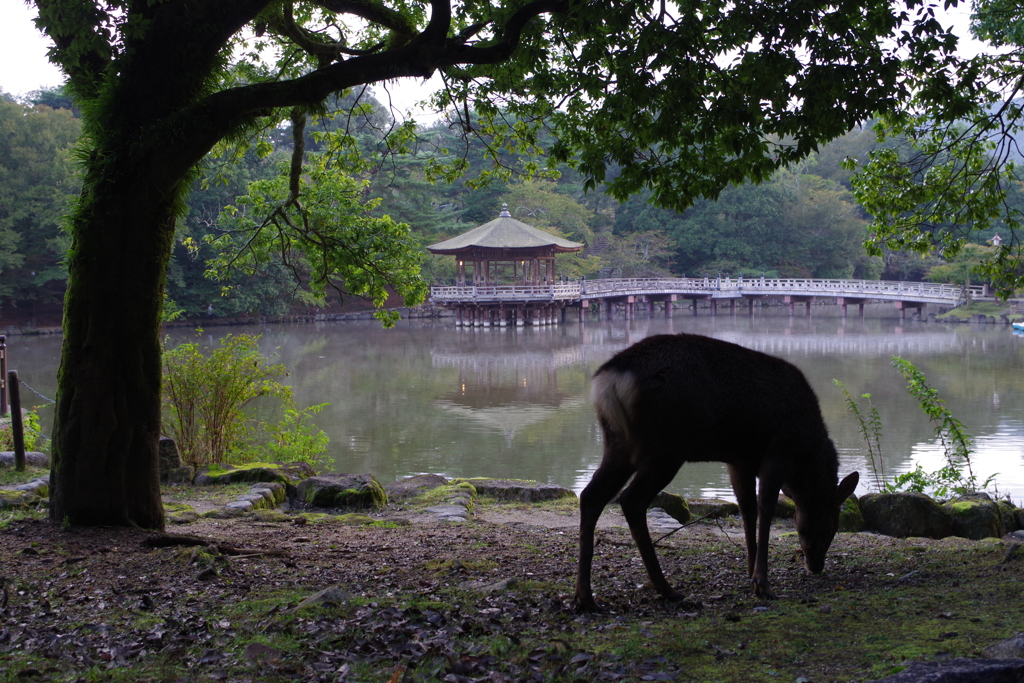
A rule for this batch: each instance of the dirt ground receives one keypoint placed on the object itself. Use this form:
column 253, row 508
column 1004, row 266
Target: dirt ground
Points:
column 489, row 600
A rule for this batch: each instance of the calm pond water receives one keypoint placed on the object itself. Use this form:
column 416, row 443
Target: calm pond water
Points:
column 513, row 402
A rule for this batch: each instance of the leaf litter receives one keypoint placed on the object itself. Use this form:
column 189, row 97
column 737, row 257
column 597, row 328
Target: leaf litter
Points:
column 480, row 602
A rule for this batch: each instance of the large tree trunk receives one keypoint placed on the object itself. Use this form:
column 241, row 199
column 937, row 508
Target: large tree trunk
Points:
column 105, row 469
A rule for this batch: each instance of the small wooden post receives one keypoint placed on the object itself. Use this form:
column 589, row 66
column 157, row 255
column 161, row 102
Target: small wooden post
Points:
column 3, row 374
column 17, row 430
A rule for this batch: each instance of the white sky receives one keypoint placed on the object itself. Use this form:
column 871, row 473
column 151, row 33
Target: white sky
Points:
column 24, row 67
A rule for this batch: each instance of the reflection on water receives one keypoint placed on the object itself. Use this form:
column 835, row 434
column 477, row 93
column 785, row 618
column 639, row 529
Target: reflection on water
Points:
column 513, row 402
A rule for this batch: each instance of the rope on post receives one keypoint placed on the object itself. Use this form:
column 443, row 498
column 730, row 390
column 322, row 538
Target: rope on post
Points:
column 17, row 429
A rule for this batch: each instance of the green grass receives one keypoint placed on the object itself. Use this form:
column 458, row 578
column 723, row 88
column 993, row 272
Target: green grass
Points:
column 965, row 312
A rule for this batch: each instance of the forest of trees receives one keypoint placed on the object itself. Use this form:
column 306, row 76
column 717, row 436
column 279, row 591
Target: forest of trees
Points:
column 802, row 222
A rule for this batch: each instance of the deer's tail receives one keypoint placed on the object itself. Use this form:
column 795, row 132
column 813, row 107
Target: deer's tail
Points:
column 614, row 394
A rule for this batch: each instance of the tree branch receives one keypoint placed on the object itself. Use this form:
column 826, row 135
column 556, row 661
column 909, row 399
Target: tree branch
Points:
column 377, row 13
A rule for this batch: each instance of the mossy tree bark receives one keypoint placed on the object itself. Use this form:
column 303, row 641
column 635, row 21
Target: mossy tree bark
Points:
column 105, row 466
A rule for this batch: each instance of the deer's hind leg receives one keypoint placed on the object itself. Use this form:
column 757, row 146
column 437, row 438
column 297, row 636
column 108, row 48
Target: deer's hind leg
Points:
column 609, row 479
column 744, row 486
column 652, row 477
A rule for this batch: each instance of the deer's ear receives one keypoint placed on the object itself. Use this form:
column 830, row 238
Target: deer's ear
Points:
column 848, row 485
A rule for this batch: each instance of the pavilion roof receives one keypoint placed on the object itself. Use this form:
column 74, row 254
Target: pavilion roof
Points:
column 504, row 232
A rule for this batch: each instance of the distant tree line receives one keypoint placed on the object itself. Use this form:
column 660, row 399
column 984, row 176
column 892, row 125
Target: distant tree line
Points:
column 802, row 222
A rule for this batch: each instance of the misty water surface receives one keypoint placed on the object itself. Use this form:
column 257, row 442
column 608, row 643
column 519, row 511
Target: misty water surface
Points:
column 513, row 402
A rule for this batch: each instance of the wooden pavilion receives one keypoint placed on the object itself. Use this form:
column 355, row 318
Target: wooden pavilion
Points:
column 505, row 272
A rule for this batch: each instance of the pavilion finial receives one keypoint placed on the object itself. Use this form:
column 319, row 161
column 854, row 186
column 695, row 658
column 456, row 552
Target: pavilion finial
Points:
column 504, row 211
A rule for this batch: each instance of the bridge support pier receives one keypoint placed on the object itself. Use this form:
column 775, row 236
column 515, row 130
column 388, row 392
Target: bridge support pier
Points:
column 750, row 304
column 732, row 306
column 845, row 300
column 714, row 307
column 793, row 300
column 902, row 307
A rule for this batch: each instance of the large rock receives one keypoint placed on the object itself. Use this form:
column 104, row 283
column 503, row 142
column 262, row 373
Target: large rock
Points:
column 712, row 508
column 851, row 519
column 33, row 458
column 413, row 486
column 179, row 513
column 288, row 473
column 962, row 670
column 522, row 490
column 1011, row 648
column 785, row 508
column 360, row 491
column 674, row 505
column 976, row 516
column 170, row 459
column 1009, row 515
column 905, row 514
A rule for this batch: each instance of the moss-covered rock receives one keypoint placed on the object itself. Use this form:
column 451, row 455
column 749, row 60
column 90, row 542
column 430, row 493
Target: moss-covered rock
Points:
column 359, row 491
column 1007, row 510
column 976, row 516
column 180, row 513
column 413, row 486
column 16, row 499
column 905, row 514
column 785, row 508
column 520, row 490
column 270, row 517
column 674, row 505
column 288, row 473
column 226, row 512
column 351, row 519
column 851, row 520
column 1018, row 514
column 181, row 475
column 712, row 508
column 274, row 492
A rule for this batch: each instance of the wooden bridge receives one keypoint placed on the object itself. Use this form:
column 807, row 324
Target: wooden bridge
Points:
column 546, row 304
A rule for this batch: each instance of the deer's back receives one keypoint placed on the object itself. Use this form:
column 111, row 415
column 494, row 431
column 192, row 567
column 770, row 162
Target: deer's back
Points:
column 718, row 398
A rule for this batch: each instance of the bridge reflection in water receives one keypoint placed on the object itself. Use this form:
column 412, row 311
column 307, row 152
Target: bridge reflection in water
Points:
column 547, row 304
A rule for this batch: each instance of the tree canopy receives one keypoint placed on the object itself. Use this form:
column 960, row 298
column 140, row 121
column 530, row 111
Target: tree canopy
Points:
column 682, row 98
column 949, row 172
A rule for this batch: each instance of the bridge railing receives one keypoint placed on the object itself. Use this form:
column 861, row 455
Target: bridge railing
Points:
column 552, row 292
column 709, row 286
column 810, row 286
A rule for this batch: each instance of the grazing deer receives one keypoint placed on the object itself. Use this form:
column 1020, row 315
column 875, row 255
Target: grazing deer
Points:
column 671, row 399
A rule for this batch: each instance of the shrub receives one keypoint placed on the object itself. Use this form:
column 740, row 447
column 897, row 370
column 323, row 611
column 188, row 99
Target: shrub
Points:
column 207, row 397
column 31, row 430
